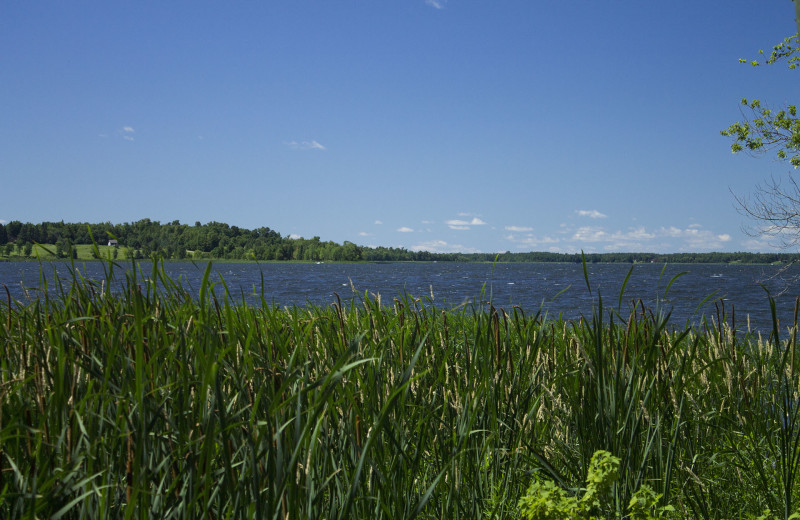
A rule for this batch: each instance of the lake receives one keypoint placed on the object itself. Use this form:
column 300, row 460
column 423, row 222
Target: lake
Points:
column 555, row 288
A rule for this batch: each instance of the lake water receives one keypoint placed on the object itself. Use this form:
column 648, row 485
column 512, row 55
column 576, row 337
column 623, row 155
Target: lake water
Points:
column 555, row 288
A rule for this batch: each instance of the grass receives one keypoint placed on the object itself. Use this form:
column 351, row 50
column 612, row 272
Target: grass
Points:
column 47, row 252
column 86, row 253
column 150, row 401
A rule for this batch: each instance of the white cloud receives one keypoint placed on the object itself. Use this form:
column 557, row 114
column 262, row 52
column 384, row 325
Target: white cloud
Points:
column 295, row 236
column 440, row 246
column 304, row 145
column 436, row 4
column 671, row 231
column 127, row 133
column 530, row 242
column 378, row 222
column 594, row 238
column 634, row 239
column 519, row 229
column 405, row 229
column 3, row 221
column 760, row 244
column 589, row 234
column 590, row 213
column 364, row 234
column 666, row 238
column 695, row 238
column 634, row 234
column 464, row 224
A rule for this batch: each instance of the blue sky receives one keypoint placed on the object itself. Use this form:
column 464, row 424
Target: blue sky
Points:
column 458, row 125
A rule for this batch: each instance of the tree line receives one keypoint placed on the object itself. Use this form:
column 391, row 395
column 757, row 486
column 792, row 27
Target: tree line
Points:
column 217, row 240
column 175, row 240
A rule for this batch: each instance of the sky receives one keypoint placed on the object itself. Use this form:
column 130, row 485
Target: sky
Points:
column 439, row 125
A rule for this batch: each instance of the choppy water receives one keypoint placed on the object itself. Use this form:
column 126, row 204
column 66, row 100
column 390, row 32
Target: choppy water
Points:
column 555, row 288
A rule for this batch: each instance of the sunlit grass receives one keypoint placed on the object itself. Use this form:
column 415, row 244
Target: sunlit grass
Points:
column 48, row 252
column 151, row 401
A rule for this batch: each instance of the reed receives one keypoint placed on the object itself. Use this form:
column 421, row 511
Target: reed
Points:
column 136, row 397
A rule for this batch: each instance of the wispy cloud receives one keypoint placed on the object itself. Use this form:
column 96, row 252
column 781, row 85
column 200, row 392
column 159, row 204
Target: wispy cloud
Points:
column 440, row 246
column 593, row 213
column 760, row 244
column 436, row 4
column 464, row 224
column 589, row 234
column 633, row 239
column 127, row 133
column 665, row 238
column 532, row 242
column 696, row 238
column 304, row 145
column 378, row 222
column 594, row 238
column 405, row 229
column 518, row 229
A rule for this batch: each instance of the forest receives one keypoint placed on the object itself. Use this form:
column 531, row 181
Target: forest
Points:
column 216, row 240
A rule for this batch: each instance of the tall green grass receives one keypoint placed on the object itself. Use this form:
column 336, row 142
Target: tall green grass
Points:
column 133, row 397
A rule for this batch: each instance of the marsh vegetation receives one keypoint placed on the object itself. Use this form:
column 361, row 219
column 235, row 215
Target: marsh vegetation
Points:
column 153, row 401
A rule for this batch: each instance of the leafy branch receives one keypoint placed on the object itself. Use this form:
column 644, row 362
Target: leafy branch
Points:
column 763, row 129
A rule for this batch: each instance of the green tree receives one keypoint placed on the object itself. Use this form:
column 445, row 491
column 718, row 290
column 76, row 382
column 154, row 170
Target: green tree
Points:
column 775, row 206
column 12, row 228
column 764, row 129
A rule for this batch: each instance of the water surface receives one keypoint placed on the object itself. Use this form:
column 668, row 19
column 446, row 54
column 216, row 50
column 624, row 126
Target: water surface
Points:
column 556, row 288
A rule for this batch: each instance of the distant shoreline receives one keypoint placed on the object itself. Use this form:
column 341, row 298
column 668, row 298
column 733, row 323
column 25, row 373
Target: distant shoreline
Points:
column 220, row 242
column 662, row 259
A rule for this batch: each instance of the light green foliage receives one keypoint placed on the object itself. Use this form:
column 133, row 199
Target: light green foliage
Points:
column 644, row 505
column 603, row 473
column 546, row 501
column 784, row 50
column 765, row 129
column 767, row 515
